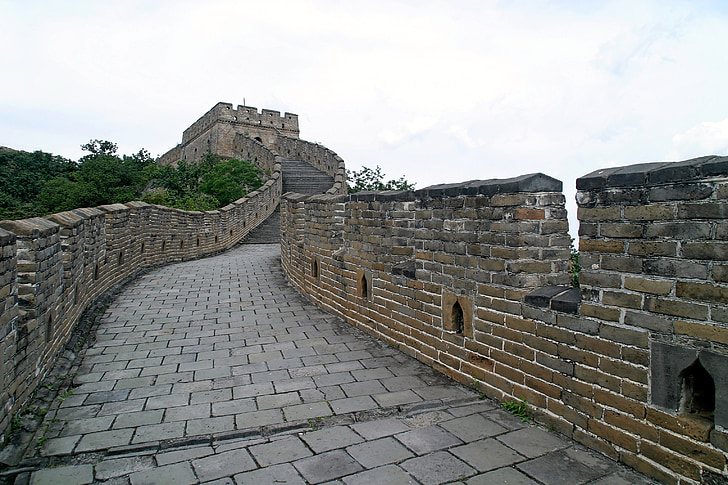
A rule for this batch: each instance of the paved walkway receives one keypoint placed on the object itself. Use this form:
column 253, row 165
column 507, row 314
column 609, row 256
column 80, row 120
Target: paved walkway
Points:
column 216, row 371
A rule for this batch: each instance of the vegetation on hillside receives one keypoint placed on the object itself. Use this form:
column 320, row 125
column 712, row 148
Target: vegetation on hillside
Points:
column 373, row 179
column 38, row 183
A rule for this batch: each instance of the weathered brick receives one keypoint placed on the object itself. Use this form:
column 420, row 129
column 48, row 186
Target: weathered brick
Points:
column 559, row 365
column 648, row 467
column 624, row 369
column 634, row 391
column 704, row 210
column 677, row 308
column 622, row 299
column 648, row 321
column 701, row 291
column 696, row 451
column 645, row 285
column 624, row 264
column 599, row 279
column 599, row 311
column 672, row 268
column 573, row 416
column 720, row 273
column 599, row 213
column 636, row 409
column 600, row 246
column 578, row 355
column 651, row 212
column 620, row 230
column 678, row 230
column 582, row 404
column 670, row 460
column 613, row 435
column 708, row 332
column 630, row 424
column 598, row 377
column 598, row 345
column 652, row 248
column 706, row 250
column 693, row 427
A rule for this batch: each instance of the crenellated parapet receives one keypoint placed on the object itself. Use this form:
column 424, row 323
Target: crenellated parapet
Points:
column 473, row 279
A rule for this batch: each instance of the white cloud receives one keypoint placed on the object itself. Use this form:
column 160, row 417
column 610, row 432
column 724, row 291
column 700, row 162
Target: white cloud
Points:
column 418, row 126
column 706, row 138
column 438, row 91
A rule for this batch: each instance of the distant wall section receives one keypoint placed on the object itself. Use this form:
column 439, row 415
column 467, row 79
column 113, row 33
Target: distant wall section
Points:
column 215, row 131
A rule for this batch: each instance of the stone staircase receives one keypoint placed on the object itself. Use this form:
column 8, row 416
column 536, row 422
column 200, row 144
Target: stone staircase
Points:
column 298, row 177
column 303, row 178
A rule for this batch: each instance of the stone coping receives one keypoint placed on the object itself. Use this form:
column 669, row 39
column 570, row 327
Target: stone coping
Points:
column 559, row 298
column 656, row 173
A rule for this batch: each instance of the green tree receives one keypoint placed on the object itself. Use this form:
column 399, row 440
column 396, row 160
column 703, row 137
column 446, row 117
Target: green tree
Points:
column 230, row 180
column 100, row 178
column 373, row 179
column 208, row 184
column 22, row 175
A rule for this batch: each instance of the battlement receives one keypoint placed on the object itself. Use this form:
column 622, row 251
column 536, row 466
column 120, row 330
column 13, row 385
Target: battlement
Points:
column 243, row 115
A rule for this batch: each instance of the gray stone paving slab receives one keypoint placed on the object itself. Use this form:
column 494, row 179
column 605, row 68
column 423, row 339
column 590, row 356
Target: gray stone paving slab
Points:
column 283, row 474
column 473, row 427
column 60, row 446
column 428, row 439
column 154, row 432
column 122, row 466
column 306, row 411
column 177, row 474
column 104, row 440
column 533, row 441
column 502, row 476
column 280, row 451
column 327, row 466
column 133, row 420
column 210, row 425
column 328, row 439
column 396, row 398
column 176, row 456
column 67, row 475
column 437, row 468
column 486, row 455
column 567, row 467
column 222, row 465
column 353, row 404
column 379, row 452
column 389, row 475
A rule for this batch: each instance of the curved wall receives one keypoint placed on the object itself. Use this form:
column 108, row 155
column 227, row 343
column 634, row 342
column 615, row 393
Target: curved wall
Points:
column 54, row 268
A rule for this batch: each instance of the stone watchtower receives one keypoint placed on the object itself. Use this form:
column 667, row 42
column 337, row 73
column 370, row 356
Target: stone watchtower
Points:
column 217, row 129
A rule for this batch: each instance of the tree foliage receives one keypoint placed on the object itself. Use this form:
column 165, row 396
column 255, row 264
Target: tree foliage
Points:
column 22, row 176
column 373, row 179
column 210, row 184
column 35, row 184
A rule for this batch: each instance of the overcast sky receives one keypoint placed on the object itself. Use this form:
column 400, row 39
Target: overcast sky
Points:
column 438, row 91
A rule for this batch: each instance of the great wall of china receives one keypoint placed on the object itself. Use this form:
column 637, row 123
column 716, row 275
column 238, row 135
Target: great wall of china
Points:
column 470, row 278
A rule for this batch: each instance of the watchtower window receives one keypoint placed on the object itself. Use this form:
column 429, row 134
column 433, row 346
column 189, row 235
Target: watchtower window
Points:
column 458, row 318
column 314, row 268
column 697, row 391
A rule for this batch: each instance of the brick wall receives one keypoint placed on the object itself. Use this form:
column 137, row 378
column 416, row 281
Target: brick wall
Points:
column 53, row 268
column 654, row 248
column 471, row 278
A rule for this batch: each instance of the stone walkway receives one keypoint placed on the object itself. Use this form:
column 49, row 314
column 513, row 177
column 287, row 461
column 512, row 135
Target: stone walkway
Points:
column 216, row 371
